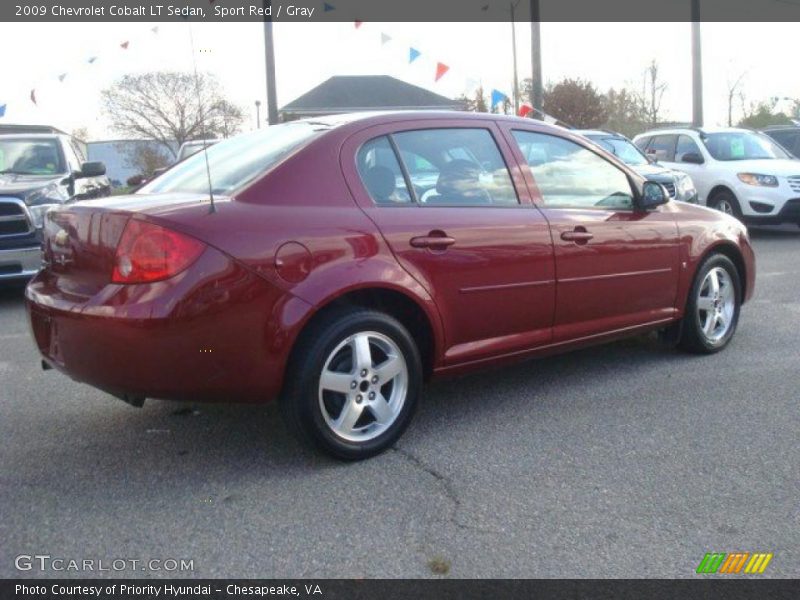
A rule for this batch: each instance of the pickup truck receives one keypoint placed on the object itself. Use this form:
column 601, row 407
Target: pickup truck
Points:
column 39, row 171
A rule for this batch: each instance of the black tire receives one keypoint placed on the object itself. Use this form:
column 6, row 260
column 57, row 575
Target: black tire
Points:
column 693, row 337
column 723, row 199
column 301, row 399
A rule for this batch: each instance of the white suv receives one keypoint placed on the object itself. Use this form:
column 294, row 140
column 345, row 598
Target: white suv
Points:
column 738, row 171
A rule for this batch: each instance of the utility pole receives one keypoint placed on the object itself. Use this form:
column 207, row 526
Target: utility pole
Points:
column 514, row 54
column 536, row 59
column 697, row 67
column 258, row 114
column 269, row 59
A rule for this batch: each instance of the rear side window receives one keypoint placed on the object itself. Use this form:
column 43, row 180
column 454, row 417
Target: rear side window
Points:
column 663, row 147
column 456, row 167
column 380, row 171
column 571, row 176
column 788, row 139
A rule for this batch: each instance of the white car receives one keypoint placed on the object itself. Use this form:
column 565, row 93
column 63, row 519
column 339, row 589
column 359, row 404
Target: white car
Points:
column 737, row 171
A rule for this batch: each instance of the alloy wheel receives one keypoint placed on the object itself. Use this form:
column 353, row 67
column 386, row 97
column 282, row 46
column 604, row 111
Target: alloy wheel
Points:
column 363, row 386
column 716, row 304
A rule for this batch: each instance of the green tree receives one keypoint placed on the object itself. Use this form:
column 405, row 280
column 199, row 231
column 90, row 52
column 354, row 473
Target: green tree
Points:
column 575, row 102
column 626, row 115
column 764, row 114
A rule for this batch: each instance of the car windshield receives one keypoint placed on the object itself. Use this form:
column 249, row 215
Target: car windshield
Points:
column 742, row 145
column 234, row 162
column 31, row 156
column 622, row 149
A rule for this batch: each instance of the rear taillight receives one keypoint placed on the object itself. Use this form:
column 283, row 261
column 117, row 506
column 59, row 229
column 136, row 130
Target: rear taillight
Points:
column 148, row 252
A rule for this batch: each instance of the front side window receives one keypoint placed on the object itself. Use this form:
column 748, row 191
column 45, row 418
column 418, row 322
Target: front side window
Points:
column 381, row 174
column 686, row 146
column 456, row 167
column 742, row 145
column 571, row 176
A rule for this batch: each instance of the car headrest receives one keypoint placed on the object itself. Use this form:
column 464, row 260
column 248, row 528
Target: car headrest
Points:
column 380, row 182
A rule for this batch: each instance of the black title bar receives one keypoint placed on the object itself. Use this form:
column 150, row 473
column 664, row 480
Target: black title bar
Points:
column 395, row 10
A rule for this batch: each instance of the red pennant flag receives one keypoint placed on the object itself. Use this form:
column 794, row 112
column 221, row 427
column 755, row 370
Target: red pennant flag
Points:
column 33, row 97
column 357, row 23
column 441, row 69
column 124, row 45
column 525, row 109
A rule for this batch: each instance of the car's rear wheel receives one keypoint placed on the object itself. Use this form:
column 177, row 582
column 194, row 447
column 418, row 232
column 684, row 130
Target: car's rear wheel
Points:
column 354, row 383
column 724, row 201
column 712, row 309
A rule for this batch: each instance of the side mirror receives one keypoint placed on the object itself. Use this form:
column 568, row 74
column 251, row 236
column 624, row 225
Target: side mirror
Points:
column 693, row 158
column 91, row 169
column 653, row 195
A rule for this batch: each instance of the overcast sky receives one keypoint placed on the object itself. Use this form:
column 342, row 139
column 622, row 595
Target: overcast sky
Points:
column 609, row 55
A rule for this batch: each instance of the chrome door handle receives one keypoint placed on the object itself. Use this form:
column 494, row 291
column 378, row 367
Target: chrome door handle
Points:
column 577, row 236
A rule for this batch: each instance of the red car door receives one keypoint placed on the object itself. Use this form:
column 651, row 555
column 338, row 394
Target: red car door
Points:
column 461, row 222
column 617, row 266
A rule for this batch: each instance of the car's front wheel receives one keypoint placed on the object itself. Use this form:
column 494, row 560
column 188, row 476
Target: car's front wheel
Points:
column 354, row 383
column 712, row 309
column 724, row 201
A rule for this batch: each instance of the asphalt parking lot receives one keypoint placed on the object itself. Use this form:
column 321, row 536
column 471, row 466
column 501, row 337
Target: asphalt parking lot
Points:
column 628, row 460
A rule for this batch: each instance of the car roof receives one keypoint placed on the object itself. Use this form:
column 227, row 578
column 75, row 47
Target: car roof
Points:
column 381, row 117
column 697, row 130
column 30, row 136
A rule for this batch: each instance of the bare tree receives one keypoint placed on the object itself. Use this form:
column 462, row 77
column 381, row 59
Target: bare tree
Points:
column 146, row 157
column 733, row 92
column 653, row 90
column 170, row 107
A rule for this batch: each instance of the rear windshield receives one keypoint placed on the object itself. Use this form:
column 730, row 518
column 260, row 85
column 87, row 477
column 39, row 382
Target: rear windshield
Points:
column 235, row 162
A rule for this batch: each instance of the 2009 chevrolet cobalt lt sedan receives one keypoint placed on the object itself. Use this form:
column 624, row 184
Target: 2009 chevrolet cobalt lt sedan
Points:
column 337, row 263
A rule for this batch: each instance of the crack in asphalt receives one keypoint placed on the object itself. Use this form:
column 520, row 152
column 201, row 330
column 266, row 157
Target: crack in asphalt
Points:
column 447, row 486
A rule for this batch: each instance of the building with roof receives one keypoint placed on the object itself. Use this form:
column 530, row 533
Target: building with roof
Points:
column 354, row 93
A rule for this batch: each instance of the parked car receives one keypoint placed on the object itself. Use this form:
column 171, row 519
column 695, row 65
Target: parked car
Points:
column 316, row 273
column 678, row 184
column 787, row 136
column 737, row 171
column 187, row 149
column 38, row 172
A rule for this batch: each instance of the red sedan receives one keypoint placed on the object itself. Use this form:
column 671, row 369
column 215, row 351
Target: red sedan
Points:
column 337, row 263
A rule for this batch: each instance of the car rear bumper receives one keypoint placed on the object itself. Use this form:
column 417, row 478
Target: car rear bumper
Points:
column 20, row 263
column 207, row 338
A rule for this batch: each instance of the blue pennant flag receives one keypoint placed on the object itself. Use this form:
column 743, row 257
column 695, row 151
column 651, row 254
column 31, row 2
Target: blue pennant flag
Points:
column 2, row 110
column 413, row 54
column 498, row 97
column 328, row 7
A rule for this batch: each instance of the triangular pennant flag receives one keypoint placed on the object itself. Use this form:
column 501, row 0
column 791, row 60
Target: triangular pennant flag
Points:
column 413, row 54
column 328, row 7
column 124, row 45
column 385, row 39
column 524, row 109
column 2, row 110
column 441, row 69
column 62, row 77
column 498, row 97
column 357, row 23
column 33, row 96
column 91, row 60
column 155, row 30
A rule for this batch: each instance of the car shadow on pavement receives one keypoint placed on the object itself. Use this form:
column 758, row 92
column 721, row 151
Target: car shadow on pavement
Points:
column 774, row 232
column 11, row 293
column 186, row 444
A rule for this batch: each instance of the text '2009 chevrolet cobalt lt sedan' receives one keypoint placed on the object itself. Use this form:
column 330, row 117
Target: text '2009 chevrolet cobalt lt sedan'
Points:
column 345, row 260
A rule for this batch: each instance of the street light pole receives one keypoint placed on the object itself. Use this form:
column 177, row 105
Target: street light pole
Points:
column 269, row 59
column 697, row 67
column 514, row 54
column 536, row 59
